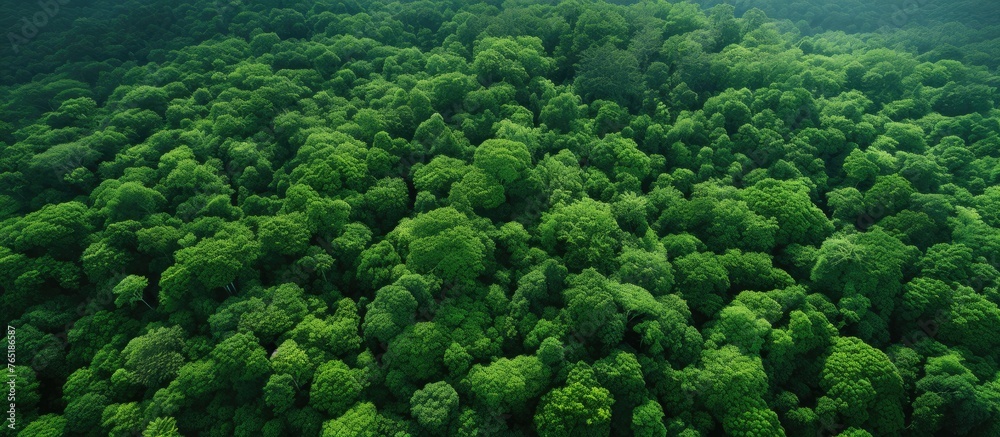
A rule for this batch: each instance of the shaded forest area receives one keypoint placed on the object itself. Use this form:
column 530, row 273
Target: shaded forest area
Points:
column 961, row 30
column 500, row 218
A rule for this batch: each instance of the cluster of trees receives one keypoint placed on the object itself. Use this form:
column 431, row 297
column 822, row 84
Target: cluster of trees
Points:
column 475, row 218
column 961, row 30
column 854, row 16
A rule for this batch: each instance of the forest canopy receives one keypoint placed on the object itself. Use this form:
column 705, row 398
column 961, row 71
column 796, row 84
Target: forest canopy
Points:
column 501, row 218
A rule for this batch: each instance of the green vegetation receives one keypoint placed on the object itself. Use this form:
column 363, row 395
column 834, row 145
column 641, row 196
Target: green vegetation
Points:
column 501, row 218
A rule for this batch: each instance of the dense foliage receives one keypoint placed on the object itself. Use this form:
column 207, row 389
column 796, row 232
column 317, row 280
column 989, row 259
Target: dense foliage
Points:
column 960, row 30
column 457, row 218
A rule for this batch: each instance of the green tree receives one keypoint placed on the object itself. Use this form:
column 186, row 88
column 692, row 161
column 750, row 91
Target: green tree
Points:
column 212, row 263
column 416, row 356
column 621, row 373
column 335, row 388
column 967, row 321
column 454, row 255
column 129, row 200
column 647, row 420
column 49, row 425
column 862, row 388
column 83, row 414
column 948, row 398
column 155, row 357
column 703, row 280
column 388, row 201
column 392, row 310
column 733, row 385
column 279, row 393
column 507, row 161
column 289, row 359
column 592, row 312
column 561, row 111
column 241, row 357
column 130, row 290
column 582, row 407
column 585, row 233
column 284, row 234
column 789, row 204
column 955, row 99
column 649, row 270
column 54, row 229
column 620, row 157
column 924, row 298
column 362, row 420
column 479, row 190
column 435, row 406
column 439, row 174
column 507, row 385
column 162, row 427
column 739, row 326
column 376, row 265
column 513, row 60
column 122, row 419
column 734, row 225
column 865, row 271
column 606, row 72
